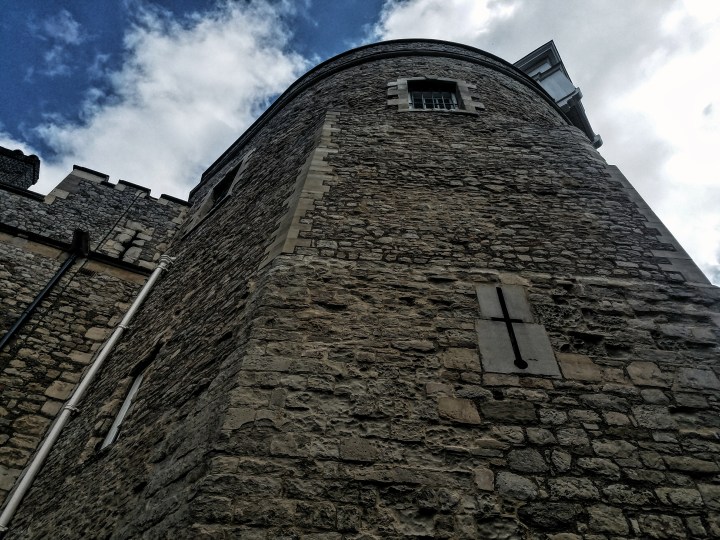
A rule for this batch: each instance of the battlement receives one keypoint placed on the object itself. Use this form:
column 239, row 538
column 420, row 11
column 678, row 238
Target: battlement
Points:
column 123, row 220
column 17, row 169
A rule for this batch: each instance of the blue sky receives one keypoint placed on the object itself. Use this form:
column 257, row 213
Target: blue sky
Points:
column 152, row 91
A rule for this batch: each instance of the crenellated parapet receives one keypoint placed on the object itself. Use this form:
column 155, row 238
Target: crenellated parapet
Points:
column 123, row 220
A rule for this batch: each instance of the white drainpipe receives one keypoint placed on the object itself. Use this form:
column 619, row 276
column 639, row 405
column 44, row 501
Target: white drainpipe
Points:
column 71, row 406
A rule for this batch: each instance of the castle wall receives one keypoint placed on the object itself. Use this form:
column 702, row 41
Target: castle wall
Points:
column 41, row 365
column 318, row 353
column 123, row 221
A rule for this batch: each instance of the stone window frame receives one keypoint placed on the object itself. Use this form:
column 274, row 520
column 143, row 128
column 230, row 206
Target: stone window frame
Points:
column 468, row 102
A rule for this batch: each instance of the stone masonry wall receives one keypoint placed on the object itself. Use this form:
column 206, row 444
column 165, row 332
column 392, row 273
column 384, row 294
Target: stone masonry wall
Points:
column 336, row 389
column 167, row 443
column 122, row 219
column 42, row 364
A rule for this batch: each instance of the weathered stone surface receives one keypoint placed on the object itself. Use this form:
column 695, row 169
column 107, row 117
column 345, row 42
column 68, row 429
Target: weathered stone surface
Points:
column 515, row 486
column 60, row 390
column 458, row 410
column 312, row 366
column 357, row 449
column 509, row 410
column 579, row 367
column 661, row 526
column 710, row 495
column 550, row 516
column 702, row 379
column 457, row 358
column 682, row 497
column 484, row 479
column 647, row 374
column 527, row 460
column 607, row 519
column 573, row 488
column 654, row 417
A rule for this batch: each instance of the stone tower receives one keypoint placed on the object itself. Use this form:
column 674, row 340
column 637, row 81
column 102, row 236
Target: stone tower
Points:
column 412, row 300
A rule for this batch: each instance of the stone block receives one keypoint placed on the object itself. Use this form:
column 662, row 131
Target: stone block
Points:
column 60, row 390
column 458, row 410
column 579, row 367
column 527, row 460
column 700, row 379
column 358, row 449
column 237, row 417
column 8, row 476
column 51, row 408
column 607, row 519
column 484, row 479
column 682, row 497
column 691, row 464
column 459, row 358
column 512, row 411
column 661, row 526
column 654, row 417
column 711, row 495
column 98, row 333
column 648, row 374
column 515, row 486
column 572, row 488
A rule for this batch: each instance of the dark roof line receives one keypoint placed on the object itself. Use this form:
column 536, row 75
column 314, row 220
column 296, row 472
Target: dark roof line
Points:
column 309, row 79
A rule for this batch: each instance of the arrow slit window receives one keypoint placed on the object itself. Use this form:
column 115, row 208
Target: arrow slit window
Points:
column 509, row 339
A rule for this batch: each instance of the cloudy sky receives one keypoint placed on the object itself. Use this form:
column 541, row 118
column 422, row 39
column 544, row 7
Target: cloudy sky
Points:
column 152, row 91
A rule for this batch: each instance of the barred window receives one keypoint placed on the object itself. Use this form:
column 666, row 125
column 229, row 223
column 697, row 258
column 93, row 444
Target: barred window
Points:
column 432, row 94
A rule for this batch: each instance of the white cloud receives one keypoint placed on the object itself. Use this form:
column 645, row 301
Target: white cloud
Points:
column 63, row 28
column 186, row 90
column 429, row 18
column 648, row 71
column 61, row 31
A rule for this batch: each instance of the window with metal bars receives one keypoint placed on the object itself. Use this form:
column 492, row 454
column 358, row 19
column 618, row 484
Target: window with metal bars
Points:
column 433, row 95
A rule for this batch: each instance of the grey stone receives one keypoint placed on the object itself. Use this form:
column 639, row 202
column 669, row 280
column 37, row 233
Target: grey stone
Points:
column 710, row 495
column 527, row 460
column 516, row 487
column 540, row 436
column 551, row 516
column 513, row 411
column 607, row 519
column 685, row 498
column 648, row 374
column 561, row 460
column 690, row 464
column 357, row 449
column 573, row 488
column 603, row 467
column 579, row 367
column 654, row 417
column 661, row 526
column 702, row 379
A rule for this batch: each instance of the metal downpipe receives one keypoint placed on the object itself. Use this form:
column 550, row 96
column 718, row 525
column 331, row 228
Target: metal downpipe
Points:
column 79, row 247
column 70, row 406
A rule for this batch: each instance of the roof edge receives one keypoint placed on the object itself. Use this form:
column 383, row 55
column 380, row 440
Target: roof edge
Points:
column 307, row 79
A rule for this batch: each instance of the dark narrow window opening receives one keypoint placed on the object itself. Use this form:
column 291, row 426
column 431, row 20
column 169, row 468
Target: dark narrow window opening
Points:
column 433, row 95
column 222, row 188
column 138, row 375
